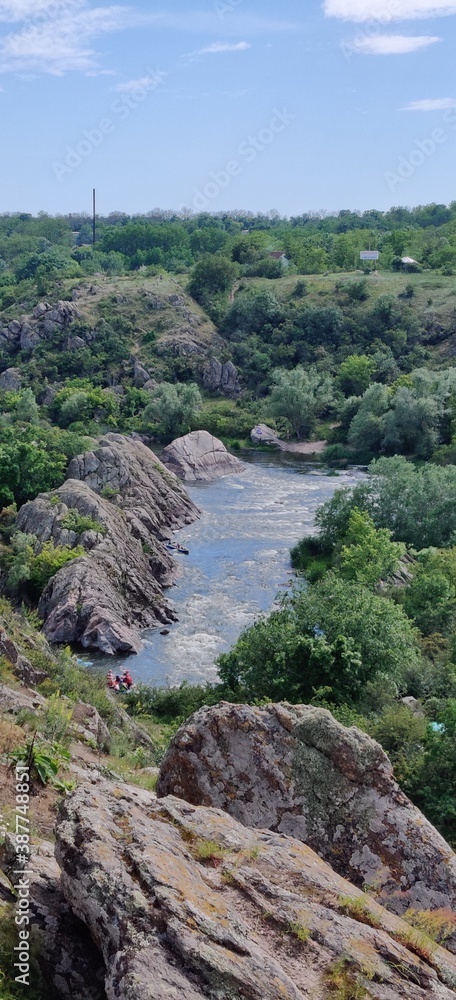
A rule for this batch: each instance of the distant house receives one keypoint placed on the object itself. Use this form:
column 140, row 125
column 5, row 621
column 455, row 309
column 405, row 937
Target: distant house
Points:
column 406, row 264
column 279, row 255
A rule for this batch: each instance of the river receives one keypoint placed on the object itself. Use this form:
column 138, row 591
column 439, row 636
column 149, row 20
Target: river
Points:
column 239, row 560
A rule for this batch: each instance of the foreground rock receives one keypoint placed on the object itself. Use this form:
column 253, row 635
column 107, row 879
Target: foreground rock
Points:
column 200, row 456
column 184, row 902
column 68, row 958
column 104, row 598
column 296, row 770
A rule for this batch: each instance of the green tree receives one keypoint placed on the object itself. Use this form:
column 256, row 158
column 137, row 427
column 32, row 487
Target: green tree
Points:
column 27, row 409
column 379, row 629
column 273, row 659
column 355, row 373
column 432, row 786
column 430, row 601
column 211, row 276
column 172, row 410
column 300, row 395
column 335, row 634
column 417, row 504
column 366, row 429
column 368, row 554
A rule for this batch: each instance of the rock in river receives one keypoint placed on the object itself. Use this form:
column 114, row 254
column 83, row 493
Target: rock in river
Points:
column 103, row 598
column 199, row 456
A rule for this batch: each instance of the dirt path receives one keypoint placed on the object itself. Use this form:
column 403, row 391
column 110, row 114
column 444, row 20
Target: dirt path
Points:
column 303, row 447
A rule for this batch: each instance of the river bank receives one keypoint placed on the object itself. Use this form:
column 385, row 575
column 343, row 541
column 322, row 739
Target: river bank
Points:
column 239, row 560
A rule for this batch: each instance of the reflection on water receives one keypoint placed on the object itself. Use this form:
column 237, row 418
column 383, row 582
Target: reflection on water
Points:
column 238, row 561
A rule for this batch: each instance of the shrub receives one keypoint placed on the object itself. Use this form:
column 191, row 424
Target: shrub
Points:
column 74, row 521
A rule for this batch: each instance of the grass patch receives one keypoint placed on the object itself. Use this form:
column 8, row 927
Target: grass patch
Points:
column 358, row 908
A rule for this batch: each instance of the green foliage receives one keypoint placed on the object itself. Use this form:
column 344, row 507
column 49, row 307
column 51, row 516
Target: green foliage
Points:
column 75, row 403
column 402, row 734
column 175, row 703
column 301, row 396
column 368, row 554
column 211, row 278
column 334, row 634
column 253, row 312
column 225, row 419
column 44, row 760
column 74, row 521
column 417, row 504
column 47, row 562
column 172, row 410
column 31, row 565
column 432, row 785
column 355, row 373
column 57, row 716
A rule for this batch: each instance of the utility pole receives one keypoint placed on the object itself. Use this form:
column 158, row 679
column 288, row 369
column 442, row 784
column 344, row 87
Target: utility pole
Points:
column 94, row 233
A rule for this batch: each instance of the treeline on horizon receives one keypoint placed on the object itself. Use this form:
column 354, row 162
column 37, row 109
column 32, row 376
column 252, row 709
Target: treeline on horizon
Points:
column 314, row 242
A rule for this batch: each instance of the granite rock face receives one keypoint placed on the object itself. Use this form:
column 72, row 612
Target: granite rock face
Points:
column 184, row 902
column 224, row 378
column 68, row 958
column 11, row 380
column 46, row 319
column 294, row 769
column 105, row 597
column 200, row 457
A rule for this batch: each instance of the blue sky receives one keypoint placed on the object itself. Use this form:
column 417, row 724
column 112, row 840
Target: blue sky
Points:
column 227, row 104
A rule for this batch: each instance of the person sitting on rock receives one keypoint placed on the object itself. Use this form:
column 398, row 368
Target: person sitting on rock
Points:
column 127, row 680
column 111, row 680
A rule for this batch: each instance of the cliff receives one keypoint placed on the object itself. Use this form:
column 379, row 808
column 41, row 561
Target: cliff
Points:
column 105, row 597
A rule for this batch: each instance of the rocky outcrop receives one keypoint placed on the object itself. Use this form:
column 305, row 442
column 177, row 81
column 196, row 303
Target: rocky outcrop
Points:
column 22, row 667
column 26, row 333
column 296, row 770
column 218, row 377
column 262, row 434
column 11, row 380
column 199, row 456
column 104, row 598
column 68, row 959
column 186, row 902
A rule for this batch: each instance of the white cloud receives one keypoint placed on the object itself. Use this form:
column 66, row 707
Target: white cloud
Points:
column 386, row 11
column 432, row 104
column 56, row 36
column 392, row 45
column 216, row 47
column 149, row 82
column 14, row 11
column 58, row 45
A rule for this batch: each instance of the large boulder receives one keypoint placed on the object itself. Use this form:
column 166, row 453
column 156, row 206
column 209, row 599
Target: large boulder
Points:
column 186, row 902
column 11, row 380
column 102, row 599
column 262, row 434
column 200, row 457
column 219, row 377
column 296, row 770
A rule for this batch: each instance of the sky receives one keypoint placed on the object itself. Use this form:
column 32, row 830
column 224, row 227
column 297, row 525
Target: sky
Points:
column 303, row 105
